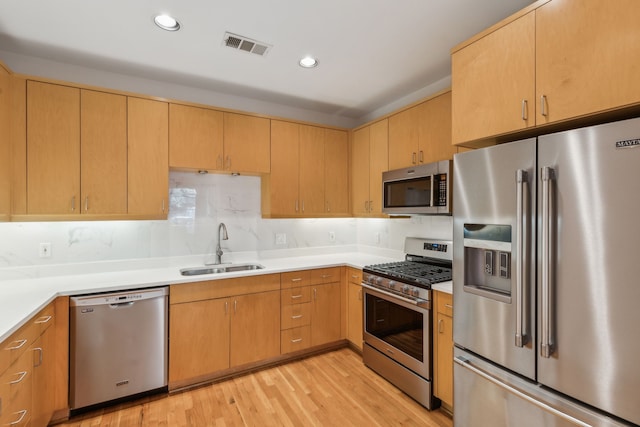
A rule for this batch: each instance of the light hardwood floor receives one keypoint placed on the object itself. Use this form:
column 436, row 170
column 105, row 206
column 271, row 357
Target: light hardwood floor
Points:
column 331, row 389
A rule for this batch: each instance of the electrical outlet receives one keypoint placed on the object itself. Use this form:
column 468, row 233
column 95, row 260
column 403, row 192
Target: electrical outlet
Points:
column 332, row 236
column 281, row 239
column 45, row 250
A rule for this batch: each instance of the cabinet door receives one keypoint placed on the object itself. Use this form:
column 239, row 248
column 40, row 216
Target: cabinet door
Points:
column 53, row 149
column 360, row 171
column 43, row 378
column 444, row 368
column 103, row 118
column 285, row 166
column 195, row 138
column 403, row 138
column 148, row 167
column 198, row 338
column 354, row 327
column 325, row 313
column 587, row 57
column 255, row 327
column 435, row 130
column 378, row 163
column 491, row 79
column 246, row 143
column 5, row 147
column 312, row 160
column 336, row 172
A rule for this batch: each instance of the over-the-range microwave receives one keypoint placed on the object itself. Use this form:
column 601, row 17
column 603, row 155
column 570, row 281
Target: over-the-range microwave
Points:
column 419, row 190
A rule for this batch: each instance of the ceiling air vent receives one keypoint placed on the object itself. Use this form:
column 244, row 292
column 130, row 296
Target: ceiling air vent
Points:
column 245, row 44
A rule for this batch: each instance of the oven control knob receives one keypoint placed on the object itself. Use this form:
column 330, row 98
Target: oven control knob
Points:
column 405, row 289
column 415, row 292
column 378, row 280
column 392, row 284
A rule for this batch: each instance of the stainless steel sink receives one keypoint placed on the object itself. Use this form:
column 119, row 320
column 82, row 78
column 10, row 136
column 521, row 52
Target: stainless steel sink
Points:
column 219, row 268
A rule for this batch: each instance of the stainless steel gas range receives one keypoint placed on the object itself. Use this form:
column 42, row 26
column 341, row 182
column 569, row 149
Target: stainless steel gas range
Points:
column 398, row 316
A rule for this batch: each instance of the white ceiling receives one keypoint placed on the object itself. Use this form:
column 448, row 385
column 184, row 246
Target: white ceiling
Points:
column 371, row 52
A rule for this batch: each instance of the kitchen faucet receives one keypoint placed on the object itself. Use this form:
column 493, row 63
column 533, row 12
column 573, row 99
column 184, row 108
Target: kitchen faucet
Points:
column 225, row 236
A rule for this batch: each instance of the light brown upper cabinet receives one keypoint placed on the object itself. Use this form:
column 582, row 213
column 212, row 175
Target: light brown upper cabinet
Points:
column 493, row 82
column 247, row 145
column 312, row 161
column 369, row 158
column 336, row 171
column 5, row 147
column 404, row 139
column 421, row 134
column 552, row 62
column 148, row 166
column 195, row 138
column 309, row 172
column 587, row 57
column 103, row 118
column 53, row 149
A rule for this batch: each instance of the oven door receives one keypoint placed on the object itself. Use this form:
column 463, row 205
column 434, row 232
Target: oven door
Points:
column 398, row 329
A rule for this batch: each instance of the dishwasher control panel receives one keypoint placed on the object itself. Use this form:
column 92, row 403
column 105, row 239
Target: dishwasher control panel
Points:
column 117, row 298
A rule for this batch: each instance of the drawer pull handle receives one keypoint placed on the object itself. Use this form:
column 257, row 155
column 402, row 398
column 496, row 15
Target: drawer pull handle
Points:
column 44, row 319
column 297, row 279
column 354, row 276
column 448, row 305
column 15, row 347
column 40, row 351
column 326, row 276
column 296, row 340
column 298, row 316
column 296, row 296
column 22, row 375
column 19, row 420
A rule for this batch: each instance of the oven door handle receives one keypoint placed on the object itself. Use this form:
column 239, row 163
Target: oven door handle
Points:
column 419, row 302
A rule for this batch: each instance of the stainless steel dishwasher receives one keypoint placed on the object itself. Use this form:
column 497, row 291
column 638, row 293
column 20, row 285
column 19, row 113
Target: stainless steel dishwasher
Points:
column 118, row 345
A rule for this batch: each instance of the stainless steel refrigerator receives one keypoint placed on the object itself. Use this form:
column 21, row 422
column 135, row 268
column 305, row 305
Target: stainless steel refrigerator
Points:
column 546, row 276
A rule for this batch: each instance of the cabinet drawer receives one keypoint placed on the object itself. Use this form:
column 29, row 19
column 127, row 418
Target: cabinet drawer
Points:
column 295, row 315
column 295, row 295
column 444, row 303
column 325, row 275
column 354, row 275
column 294, row 279
column 44, row 319
column 17, row 382
column 13, row 347
column 295, row 339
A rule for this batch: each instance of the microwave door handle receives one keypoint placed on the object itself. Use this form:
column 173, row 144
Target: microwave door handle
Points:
column 433, row 189
column 522, row 256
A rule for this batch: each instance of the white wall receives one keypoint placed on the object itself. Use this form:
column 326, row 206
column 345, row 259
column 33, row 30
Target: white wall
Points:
column 198, row 203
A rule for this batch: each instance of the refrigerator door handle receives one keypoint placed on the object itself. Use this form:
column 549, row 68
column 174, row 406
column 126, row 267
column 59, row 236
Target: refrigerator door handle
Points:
column 546, row 342
column 522, row 256
column 462, row 361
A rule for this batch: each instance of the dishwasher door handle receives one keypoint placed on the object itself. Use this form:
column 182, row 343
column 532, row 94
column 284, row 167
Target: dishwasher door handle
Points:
column 122, row 304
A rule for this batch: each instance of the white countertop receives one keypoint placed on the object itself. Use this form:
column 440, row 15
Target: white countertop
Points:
column 31, row 290
column 446, row 287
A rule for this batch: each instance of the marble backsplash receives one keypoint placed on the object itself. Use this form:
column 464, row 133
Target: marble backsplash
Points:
column 198, row 203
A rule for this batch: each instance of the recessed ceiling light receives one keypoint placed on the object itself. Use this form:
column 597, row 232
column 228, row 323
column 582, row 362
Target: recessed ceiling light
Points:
column 308, row 62
column 167, row 22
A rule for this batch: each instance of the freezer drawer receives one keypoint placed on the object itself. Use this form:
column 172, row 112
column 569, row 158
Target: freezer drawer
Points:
column 487, row 396
column 118, row 345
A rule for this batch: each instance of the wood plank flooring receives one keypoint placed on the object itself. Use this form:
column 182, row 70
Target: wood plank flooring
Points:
column 331, row 389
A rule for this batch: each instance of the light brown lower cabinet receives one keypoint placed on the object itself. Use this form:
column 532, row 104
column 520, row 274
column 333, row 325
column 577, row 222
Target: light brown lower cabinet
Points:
column 325, row 313
column 222, row 324
column 443, row 340
column 27, row 373
column 354, row 307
